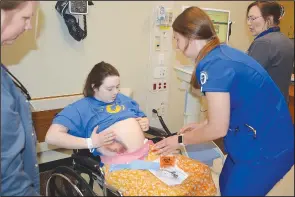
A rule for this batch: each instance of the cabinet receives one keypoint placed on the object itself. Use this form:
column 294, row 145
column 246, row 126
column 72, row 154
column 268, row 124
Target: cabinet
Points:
column 287, row 22
column 42, row 121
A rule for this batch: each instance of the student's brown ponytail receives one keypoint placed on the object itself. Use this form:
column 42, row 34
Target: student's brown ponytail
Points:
column 214, row 42
column 194, row 23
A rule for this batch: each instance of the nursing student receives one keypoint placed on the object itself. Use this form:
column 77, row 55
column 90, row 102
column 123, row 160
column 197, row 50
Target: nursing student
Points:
column 271, row 48
column 245, row 108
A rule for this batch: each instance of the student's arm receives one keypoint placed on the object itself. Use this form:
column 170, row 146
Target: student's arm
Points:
column 192, row 126
column 220, row 77
column 14, row 180
column 218, row 120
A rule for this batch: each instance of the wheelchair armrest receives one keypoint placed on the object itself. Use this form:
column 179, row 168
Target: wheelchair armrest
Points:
column 85, row 158
column 156, row 132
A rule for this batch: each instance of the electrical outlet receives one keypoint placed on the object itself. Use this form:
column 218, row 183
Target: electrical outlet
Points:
column 160, row 86
column 154, row 85
column 163, row 72
column 160, row 72
column 164, row 85
column 161, row 109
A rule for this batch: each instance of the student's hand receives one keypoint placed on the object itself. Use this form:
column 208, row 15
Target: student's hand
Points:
column 144, row 123
column 103, row 138
column 167, row 146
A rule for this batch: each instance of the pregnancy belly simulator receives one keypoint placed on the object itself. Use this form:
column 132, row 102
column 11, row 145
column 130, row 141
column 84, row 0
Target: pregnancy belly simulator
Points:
column 129, row 145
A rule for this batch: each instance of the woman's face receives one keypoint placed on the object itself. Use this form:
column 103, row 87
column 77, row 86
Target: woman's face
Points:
column 255, row 21
column 189, row 48
column 108, row 90
column 16, row 22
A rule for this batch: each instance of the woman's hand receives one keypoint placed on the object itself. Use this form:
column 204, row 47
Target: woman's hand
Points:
column 103, row 138
column 167, row 146
column 144, row 123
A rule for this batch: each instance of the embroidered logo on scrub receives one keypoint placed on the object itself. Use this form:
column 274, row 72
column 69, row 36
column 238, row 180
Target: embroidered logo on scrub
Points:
column 113, row 109
column 203, row 77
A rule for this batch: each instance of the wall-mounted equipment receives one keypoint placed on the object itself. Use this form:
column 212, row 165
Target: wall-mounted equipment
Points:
column 164, row 16
column 68, row 10
column 221, row 22
column 78, row 7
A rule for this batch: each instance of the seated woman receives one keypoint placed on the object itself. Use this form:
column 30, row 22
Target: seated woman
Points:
column 112, row 125
column 119, row 136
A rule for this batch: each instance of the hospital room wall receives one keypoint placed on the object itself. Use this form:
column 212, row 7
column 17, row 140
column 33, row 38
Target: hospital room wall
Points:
column 118, row 32
column 239, row 39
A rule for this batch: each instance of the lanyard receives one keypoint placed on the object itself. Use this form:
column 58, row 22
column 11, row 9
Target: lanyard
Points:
column 272, row 29
column 17, row 83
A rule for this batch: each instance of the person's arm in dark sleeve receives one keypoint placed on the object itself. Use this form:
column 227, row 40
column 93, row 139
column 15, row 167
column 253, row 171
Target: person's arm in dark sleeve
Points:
column 261, row 52
column 14, row 180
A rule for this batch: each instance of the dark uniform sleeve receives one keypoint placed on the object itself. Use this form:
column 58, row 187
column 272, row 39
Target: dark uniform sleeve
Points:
column 14, row 180
column 217, row 77
column 261, row 52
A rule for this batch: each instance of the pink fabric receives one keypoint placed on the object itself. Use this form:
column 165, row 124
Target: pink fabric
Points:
column 124, row 158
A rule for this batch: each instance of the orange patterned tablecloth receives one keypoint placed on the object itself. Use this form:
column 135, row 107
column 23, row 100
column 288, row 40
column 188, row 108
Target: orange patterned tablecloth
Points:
column 144, row 183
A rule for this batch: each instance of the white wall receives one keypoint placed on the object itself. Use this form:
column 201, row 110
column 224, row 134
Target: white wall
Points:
column 118, row 33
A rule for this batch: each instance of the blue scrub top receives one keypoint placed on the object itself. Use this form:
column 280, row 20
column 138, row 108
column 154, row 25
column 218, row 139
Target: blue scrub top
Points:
column 82, row 116
column 256, row 103
column 19, row 165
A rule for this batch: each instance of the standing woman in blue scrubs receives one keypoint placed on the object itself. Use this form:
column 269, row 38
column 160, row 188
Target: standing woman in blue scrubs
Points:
column 245, row 107
column 271, row 48
column 19, row 166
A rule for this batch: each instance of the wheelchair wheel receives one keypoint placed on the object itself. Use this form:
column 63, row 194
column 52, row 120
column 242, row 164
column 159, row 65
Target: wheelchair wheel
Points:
column 64, row 181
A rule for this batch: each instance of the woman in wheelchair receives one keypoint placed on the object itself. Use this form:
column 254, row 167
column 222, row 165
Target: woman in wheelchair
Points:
column 112, row 126
column 98, row 121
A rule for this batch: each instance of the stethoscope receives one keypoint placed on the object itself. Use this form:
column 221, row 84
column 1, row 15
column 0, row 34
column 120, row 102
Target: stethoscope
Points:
column 18, row 84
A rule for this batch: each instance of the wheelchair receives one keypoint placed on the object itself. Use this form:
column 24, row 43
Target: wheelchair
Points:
column 71, row 180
